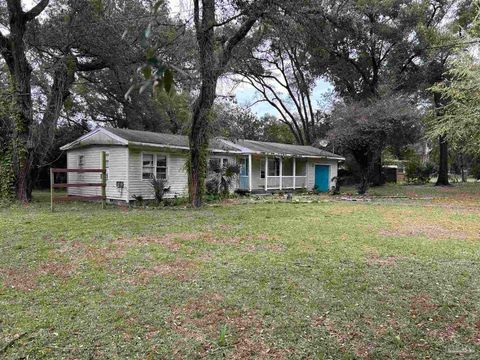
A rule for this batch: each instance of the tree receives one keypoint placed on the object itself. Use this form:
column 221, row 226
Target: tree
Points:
column 278, row 69
column 234, row 122
column 79, row 46
column 363, row 130
column 215, row 53
column 12, row 49
column 459, row 118
column 371, row 48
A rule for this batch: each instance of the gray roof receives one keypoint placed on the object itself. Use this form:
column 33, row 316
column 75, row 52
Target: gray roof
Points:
column 141, row 138
column 149, row 137
column 285, row 149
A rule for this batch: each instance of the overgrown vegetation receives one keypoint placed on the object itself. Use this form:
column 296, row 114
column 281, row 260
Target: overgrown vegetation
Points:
column 418, row 173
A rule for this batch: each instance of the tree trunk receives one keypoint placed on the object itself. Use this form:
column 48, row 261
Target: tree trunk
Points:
column 201, row 109
column 462, row 168
column 443, row 163
column 377, row 177
column 199, row 142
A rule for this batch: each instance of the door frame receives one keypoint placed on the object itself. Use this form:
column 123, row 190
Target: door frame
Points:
column 315, row 174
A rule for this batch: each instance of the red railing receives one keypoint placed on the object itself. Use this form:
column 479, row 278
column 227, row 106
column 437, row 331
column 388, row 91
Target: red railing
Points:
column 67, row 185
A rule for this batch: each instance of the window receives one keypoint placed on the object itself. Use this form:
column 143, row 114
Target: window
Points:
column 161, row 167
column 301, row 167
column 81, row 161
column 215, row 163
column 273, row 167
column 154, row 166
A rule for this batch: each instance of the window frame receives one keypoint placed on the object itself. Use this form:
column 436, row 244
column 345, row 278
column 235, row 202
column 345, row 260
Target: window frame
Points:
column 224, row 161
column 155, row 167
column 276, row 168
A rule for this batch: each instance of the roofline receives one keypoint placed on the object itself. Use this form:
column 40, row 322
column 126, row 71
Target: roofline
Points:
column 242, row 150
column 246, row 150
column 179, row 147
column 91, row 133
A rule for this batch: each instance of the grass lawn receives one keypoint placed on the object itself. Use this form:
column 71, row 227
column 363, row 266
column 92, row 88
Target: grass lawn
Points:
column 327, row 279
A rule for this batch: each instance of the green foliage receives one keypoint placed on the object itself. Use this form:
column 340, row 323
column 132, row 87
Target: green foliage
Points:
column 7, row 125
column 418, row 173
column 220, row 178
column 362, row 130
column 174, row 109
column 159, row 189
column 460, row 117
column 475, row 170
column 222, row 337
column 7, row 176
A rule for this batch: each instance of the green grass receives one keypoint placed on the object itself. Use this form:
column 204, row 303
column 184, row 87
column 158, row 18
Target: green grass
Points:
column 326, row 279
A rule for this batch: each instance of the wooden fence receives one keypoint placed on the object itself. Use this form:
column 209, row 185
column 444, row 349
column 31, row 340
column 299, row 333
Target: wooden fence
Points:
column 102, row 185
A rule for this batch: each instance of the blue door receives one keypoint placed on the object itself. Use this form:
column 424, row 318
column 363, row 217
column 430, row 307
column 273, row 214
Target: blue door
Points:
column 322, row 173
column 244, row 174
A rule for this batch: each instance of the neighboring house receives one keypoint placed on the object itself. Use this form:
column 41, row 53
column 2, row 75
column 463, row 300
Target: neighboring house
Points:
column 134, row 157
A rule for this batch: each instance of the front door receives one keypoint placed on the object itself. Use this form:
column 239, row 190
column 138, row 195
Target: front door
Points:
column 322, row 174
column 244, row 173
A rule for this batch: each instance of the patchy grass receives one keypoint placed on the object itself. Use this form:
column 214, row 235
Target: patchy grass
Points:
column 456, row 193
column 325, row 279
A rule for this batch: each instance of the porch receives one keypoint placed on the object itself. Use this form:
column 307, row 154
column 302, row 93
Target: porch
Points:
column 265, row 173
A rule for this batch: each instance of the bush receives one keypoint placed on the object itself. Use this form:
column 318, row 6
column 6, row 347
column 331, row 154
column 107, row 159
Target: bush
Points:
column 159, row 189
column 417, row 173
column 336, row 188
column 475, row 170
column 176, row 201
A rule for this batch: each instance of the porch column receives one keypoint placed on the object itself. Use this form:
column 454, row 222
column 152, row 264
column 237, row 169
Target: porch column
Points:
column 266, row 173
column 281, row 171
column 250, row 172
column 294, row 171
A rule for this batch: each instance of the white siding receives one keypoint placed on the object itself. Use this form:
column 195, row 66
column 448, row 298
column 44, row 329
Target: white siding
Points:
column 177, row 178
column 311, row 171
column 93, row 160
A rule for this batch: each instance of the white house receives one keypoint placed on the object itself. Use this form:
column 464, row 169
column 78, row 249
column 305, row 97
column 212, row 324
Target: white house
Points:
column 134, row 157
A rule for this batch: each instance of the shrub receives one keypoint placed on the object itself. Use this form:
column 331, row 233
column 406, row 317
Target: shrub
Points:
column 475, row 170
column 220, row 178
column 336, row 188
column 417, row 173
column 176, row 201
column 159, row 189
column 138, row 199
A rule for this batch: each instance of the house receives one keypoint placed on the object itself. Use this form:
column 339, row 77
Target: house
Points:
column 134, row 157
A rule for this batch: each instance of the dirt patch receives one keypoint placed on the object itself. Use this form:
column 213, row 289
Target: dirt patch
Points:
column 202, row 320
column 275, row 248
column 347, row 337
column 375, row 260
column 26, row 279
column 179, row 269
column 421, row 303
column 414, row 224
column 237, row 239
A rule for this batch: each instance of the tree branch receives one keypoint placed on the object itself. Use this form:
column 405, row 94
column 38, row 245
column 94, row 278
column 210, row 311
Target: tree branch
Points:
column 36, row 10
column 91, row 66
